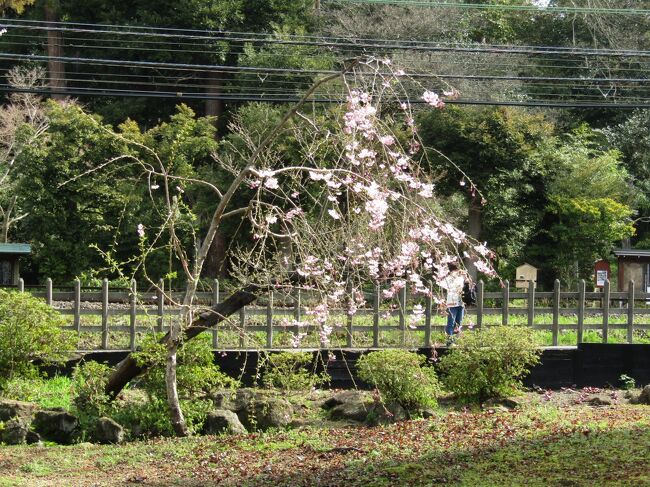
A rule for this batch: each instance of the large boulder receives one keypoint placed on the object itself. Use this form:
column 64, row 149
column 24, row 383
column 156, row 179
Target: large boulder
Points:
column 56, row 425
column 349, row 405
column 108, row 431
column 14, row 432
column 238, row 400
column 380, row 413
column 265, row 413
column 223, row 421
column 346, row 397
column 16, row 409
column 644, row 397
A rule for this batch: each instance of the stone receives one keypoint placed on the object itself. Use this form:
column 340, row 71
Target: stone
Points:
column 108, row 431
column 380, row 413
column 644, row 397
column 355, row 411
column 344, row 397
column 599, row 401
column 500, row 403
column 265, row 413
column 17, row 409
column 32, row 438
column 56, row 425
column 15, row 432
column 223, row 421
column 238, row 400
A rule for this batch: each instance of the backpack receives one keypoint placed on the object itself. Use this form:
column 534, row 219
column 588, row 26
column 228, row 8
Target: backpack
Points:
column 469, row 293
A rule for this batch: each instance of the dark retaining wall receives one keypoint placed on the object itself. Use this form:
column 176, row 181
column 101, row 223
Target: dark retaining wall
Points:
column 590, row 364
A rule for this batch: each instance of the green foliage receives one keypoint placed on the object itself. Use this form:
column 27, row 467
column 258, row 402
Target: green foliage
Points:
column 401, row 376
column 29, row 330
column 89, row 381
column 627, row 382
column 47, row 393
column 197, row 374
column 489, row 362
column 287, row 371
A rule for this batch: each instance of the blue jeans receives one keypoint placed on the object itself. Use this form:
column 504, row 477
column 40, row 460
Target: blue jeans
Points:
column 454, row 318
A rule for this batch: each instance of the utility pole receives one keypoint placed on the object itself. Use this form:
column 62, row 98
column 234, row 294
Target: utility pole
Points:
column 317, row 4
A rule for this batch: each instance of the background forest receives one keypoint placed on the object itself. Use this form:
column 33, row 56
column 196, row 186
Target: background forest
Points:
column 546, row 124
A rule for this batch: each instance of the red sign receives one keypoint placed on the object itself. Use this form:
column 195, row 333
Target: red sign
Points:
column 602, row 272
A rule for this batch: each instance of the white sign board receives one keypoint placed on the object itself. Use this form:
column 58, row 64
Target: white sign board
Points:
column 601, row 277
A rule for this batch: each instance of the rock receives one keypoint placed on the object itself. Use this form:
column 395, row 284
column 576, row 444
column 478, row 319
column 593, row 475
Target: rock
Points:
column 15, row 432
column 500, row 402
column 56, row 425
column 223, row 421
column 644, row 397
column 346, row 397
column 380, row 413
column 599, row 401
column 16, row 409
column 108, row 431
column 265, row 413
column 32, row 438
column 355, row 411
column 238, row 400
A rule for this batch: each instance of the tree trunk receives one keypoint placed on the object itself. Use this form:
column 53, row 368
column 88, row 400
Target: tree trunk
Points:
column 173, row 402
column 55, row 67
column 128, row 369
column 474, row 230
column 214, row 108
column 215, row 261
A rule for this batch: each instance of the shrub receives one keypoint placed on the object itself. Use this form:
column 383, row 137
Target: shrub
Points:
column 47, row 393
column 89, row 380
column 287, row 371
column 489, row 362
column 30, row 330
column 401, row 376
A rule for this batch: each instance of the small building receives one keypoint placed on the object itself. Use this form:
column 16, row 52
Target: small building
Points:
column 525, row 273
column 10, row 253
column 633, row 265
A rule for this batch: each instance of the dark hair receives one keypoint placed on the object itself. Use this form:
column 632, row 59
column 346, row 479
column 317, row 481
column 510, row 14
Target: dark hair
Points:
column 453, row 266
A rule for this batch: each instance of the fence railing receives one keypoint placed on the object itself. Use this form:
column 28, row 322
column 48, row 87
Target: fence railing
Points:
column 121, row 317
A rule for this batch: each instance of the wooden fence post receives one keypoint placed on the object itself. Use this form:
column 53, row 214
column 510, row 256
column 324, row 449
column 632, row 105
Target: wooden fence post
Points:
column 48, row 291
column 77, row 306
column 402, row 315
column 242, row 327
column 531, row 303
column 105, row 314
column 630, row 312
column 21, row 285
column 428, row 308
column 581, row 311
column 132, row 314
column 556, row 313
column 215, row 301
column 505, row 306
column 160, row 298
column 606, row 312
column 269, row 321
column 375, row 315
column 479, row 304
column 296, row 310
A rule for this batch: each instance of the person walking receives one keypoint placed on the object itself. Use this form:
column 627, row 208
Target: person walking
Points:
column 453, row 284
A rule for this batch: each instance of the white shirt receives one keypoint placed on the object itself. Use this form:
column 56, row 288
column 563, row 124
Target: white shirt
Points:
column 453, row 283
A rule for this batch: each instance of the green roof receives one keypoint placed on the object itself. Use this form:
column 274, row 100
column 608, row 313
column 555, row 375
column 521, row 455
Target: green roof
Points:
column 15, row 248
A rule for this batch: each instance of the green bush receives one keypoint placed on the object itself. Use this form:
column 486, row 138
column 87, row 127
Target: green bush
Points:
column 30, row 330
column 288, row 371
column 47, row 393
column 89, row 380
column 489, row 363
column 401, row 376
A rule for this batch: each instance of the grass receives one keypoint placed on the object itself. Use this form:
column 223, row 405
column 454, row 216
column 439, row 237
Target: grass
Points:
column 55, row 392
column 539, row 444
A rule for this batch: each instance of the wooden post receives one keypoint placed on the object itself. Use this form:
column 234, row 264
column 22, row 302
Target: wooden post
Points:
column 269, row 321
column 630, row 312
column 132, row 314
column 296, row 310
column 505, row 307
column 160, row 297
column 77, row 306
column 479, row 304
column 375, row 316
column 48, row 291
column 531, row 303
column 402, row 315
column 215, row 301
column 21, row 285
column 556, row 312
column 606, row 311
column 348, row 318
column 105, row 314
column 242, row 327
column 581, row 311
column 428, row 308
